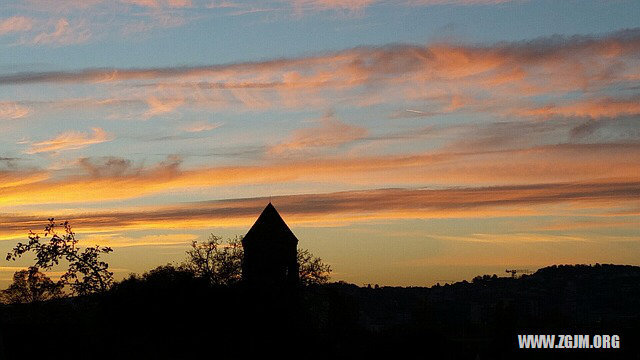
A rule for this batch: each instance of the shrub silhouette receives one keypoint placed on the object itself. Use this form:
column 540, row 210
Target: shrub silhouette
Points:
column 30, row 286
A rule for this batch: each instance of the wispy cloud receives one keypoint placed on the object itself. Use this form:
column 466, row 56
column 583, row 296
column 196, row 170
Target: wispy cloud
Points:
column 59, row 6
column 331, row 132
column 70, row 140
column 565, row 76
column 160, row 3
column 352, row 6
column 11, row 178
column 13, row 110
column 63, row 33
column 15, row 24
column 98, row 19
column 593, row 108
column 158, row 106
column 455, row 2
column 354, row 206
column 369, row 64
column 119, row 240
column 570, row 163
column 72, row 22
column 513, row 238
column 200, row 126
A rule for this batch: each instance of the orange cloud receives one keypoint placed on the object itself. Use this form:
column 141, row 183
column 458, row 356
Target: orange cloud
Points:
column 455, row 2
column 85, row 20
column 355, row 206
column 160, row 3
column 12, row 110
column 63, row 34
column 349, row 5
column 512, row 238
column 565, row 163
column 118, row 240
column 15, row 24
column 9, row 178
column 363, row 64
column 200, row 126
column 592, row 224
column 146, row 3
column 179, row 3
column 61, row 5
column 499, row 78
column 69, row 141
column 330, row 133
column 594, row 108
column 359, row 5
column 161, row 106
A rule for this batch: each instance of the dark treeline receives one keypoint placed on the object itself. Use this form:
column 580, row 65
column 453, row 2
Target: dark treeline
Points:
column 169, row 313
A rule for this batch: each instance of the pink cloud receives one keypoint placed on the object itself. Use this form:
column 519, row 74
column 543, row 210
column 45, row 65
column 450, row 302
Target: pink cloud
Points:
column 70, row 140
column 501, row 79
column 12, row 110
column 200, row 126
column 63, row 34
column 62, row 5
column 159, row 3
column 455, row 2
column 15, row 24
column 350, row 5
column 159, row 106
column 594, row 108
column 331, row 132
column 116, row 179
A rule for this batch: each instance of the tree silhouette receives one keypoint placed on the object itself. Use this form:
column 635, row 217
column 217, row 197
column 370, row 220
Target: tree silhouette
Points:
column 312, row 269
column 218, row 262
column 30, row 286
column 221, row 263
column 86, row 273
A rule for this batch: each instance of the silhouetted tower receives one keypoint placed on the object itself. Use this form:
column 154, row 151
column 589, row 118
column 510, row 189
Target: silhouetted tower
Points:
column 270, row 251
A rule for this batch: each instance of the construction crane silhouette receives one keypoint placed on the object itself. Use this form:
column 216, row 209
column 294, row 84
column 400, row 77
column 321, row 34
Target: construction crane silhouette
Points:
column 513, row 272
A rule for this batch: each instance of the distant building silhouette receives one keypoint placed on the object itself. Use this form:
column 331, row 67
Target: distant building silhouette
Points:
column 270, row 251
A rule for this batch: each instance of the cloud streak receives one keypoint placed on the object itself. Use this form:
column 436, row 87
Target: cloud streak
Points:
column 60, row 33
column 15, row 24
column 118, row 240
column 354, row 206
column 13, row 110
column 374, row 62
column 115, row 179
column 70, row 141
column 605, row 107
column 331, row 132
column 508, row 78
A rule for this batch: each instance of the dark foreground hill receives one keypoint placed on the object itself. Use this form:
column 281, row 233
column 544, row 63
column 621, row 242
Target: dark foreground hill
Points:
column 172, row 315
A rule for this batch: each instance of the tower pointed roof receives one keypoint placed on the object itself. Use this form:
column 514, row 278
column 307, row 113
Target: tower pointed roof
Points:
column 270, row 227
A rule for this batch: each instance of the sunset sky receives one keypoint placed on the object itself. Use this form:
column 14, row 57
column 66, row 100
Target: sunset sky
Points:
column 405, row 142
